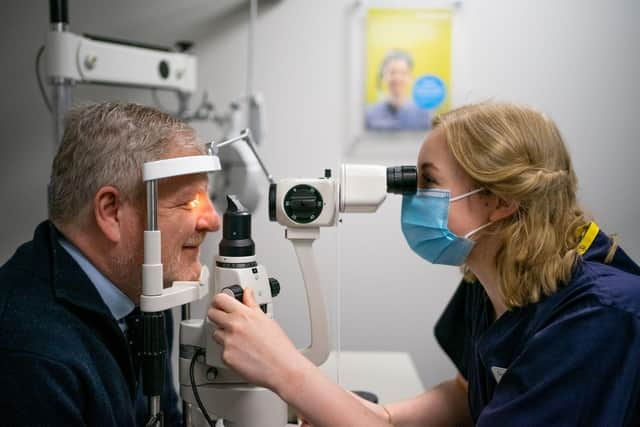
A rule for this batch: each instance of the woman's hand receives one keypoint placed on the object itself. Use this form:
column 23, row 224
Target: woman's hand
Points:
column 253, row 345
column 259, row 351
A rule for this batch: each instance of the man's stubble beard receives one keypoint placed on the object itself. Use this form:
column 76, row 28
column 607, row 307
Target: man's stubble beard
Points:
column 127, row 267
column 171, row 267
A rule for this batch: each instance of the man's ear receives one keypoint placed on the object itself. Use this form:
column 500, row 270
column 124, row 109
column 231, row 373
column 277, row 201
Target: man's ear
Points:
column 505, row 208
column 107, row 206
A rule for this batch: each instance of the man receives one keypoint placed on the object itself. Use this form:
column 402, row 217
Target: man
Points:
column 65, row 295
column 397, row 112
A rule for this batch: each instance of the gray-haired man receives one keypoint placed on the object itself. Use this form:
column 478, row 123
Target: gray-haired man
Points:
column 64, row 296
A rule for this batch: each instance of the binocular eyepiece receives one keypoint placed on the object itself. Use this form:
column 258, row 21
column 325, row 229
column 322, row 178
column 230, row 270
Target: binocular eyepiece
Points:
column 402, row 179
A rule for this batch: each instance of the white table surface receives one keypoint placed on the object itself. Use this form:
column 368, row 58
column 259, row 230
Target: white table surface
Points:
column 391, row 376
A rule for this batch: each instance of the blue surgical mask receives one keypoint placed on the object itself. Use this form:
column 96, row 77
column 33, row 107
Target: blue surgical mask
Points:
column 424, row 225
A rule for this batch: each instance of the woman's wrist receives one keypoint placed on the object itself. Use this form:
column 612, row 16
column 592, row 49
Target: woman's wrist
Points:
column 289, row 383
column 380, row 410
column 388, row 416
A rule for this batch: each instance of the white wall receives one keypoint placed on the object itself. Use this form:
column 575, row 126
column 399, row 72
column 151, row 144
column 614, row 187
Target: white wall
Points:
column 576, row 60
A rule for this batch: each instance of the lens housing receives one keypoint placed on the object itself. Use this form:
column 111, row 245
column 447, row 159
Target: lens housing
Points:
column 236, row 230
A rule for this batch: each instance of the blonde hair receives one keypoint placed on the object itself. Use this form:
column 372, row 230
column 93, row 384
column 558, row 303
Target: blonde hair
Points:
column 518, row 154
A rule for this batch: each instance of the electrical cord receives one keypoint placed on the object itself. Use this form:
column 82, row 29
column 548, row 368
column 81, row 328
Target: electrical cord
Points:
column 195, row 389
column 39, row 79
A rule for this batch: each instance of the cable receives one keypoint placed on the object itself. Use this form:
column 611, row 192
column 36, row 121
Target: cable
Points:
column 39, row 79
column 195, row 389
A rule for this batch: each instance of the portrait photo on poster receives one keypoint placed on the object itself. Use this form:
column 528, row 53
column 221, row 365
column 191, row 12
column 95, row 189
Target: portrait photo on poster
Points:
column 407, row 68
column 400, row 57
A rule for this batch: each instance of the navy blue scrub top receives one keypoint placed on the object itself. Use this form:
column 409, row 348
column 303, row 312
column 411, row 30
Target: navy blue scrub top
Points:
column 572, row 359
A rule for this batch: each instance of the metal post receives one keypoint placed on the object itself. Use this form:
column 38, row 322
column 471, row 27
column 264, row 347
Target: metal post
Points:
column 59, row 19
column 61, row 104
column 154, row 405
column 187, row 417
column 152, row 205
column 154, row 345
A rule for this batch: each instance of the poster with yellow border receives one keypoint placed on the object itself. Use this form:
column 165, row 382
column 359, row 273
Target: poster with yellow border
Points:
column 408, row 68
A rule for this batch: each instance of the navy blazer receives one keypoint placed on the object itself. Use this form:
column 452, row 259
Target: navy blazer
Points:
column 63, row 359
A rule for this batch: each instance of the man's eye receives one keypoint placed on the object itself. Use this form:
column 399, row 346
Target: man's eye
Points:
column 192, row 204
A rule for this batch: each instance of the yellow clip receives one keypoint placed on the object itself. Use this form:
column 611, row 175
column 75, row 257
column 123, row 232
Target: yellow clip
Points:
column 588, row 238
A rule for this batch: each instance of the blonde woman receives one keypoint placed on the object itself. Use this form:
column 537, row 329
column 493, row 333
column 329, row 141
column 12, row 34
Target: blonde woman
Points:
column 545, row 328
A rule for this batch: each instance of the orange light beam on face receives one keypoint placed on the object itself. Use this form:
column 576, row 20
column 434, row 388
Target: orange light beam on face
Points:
column 193, row 204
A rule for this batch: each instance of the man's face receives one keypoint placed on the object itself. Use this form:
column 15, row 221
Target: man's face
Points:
column 185, row 215
column 397, row 76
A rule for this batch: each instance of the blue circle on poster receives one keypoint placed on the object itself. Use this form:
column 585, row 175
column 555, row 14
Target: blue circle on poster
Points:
column 429, row 91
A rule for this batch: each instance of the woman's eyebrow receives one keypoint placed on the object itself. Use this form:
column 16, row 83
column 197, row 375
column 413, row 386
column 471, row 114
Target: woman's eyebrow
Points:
column 428, row 165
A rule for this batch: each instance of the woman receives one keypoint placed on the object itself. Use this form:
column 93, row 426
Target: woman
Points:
column 545, row 328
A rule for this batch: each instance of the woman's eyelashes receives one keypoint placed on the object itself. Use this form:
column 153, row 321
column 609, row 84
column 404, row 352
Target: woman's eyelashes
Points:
column 428, row 181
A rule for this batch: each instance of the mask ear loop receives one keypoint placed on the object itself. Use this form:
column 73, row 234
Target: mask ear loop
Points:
column 475, row 230
column 462, row 196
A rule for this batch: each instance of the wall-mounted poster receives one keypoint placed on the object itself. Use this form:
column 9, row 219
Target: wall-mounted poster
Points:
column 408, row 68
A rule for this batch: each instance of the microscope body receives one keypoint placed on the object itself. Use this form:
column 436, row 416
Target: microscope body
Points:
column 224, row 394
column 302, row 206
column 232, row 275
column 304, row 203
column 317, row 202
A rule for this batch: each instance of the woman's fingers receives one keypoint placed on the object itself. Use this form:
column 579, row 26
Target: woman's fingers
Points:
column 229, row 304
column 225, row 303
column 219, row 317
column 253, row 345
column 219, row 336
column 303, row 423
column 249, row 299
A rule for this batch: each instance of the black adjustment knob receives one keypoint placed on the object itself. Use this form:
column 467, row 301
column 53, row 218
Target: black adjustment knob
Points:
column 275, row 287
column 234, row 291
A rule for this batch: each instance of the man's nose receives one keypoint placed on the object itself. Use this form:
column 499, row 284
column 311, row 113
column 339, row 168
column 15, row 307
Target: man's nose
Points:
column 208, row 220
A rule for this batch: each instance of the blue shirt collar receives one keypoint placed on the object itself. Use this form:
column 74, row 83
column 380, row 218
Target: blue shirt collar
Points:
column 116, row 301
